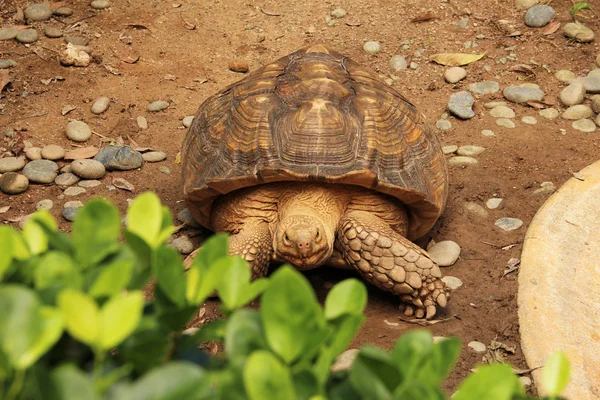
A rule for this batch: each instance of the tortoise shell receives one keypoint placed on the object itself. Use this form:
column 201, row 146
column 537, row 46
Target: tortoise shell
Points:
column 314, row 115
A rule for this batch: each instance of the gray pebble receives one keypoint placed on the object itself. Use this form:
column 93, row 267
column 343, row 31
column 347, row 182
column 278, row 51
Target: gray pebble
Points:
column 486, row 87
column 487, row 132
column 591, row 83
column 27, row 36
column 53, row 152
column 154, row 156
column 578, row 111
column 584, row 125
column 338, row 13
column 455, row 74
column 41, row 171
column 502, row 112
column 462, row 161
column 475, row 209
column 13, row 183
column 505, row 123
column 449, row 149
column 33, row 153
column 596, row 104
column 186, row 217
column 371, row 47
column 121, row 158
column 8, row 63
column 38, row 12
column 77, row 40
column 476, row 346
column 78, row 131
column 523, row 93
column 444, row 253
column 100, row 4
column 45, row 204
column 8, row 33
column 100, row 105
column 549, row 113
column 508, row 224
column 564, row 75
column 89, row 183
column 183, row 245
column 494, row 203
column 538, row 16
column 66, row 179
column 187, row 121
column 164, row 170
column 70, row 209
column 529, row 120
column 470, row 150
column 579, row 32
column 88, row 169
column 74, row 191
column 461, row 104
column 398, row 63
column 52, row 32
column 572, row 94
column 142, row 122
column 11, row 164
column 65, row 169
column 63, row 12
column 443, row 124
column 158, row 105
column 452, row 282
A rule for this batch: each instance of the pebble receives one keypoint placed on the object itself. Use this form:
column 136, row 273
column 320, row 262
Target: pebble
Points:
column 495, row 203
column 89, row 183
column 591, row 83
column 413, row 65
column 525, row 4
column 53, row 152
column 70, row 209
column 88, row 169
column 398, row 63
column 449, row 149
column 475, row 209
column 584, row 125
column 158, row 105
column 77, row 40
column 65, row 169
column 187, row 121
column 142, row 122
column 63, row 12
column 549, row 113
column 52, row 32
column 74, row 191
column 523, row 93
column 578, row 111
column 371, row 47
column 8, row 33
column 508, row 224
column 100, row 4
column 493, row 104
column 452, row 282
column 45, row 204
column 487, row 132
column 572, row 94
column 529, row 120
column 121, row 158
column 41, row 171
column 470, row 150
column 443, row 124
column 38, row 12
column 597, row 120
column 486, row 87
column 78, row 131
column 476, row 346
column 11, row 164
column 164, row 170
column 27, row 36
column 186, row 217
column 545, row 187
column 505, row 123
column 338, row 13
column 539, row 15
column 8, row 63
column 455, row 74
column 13, row 183
column 564, row 75
column 183, row 245
column 525, row 381
column 33, row 153
column 74, row 56
column 502, row 112
column 344, row 361
column 444, row 253
column 579, row 32
column 239, row 66
column 462, row 161
column 154, row 156
column 461, row 104
column 66, row 179
column 463, row 23
column 100, row 105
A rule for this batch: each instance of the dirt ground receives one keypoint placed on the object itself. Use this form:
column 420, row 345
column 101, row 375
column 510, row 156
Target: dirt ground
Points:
column 184, row 66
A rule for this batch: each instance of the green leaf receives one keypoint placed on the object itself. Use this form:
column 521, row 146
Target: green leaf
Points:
column 57, row 269
column 145, row 217
column 166, row 226
column 556, row 373
column 236, row 279
column 71, row 383
column 580, row 5
column 495, row 381
column 169, row 273
column 419, row 391
column 20, row 250
column 374, row 374
column 290, row 313
column 119, row 317
column 216, row 247
column 6, row 248
column 50, row 331
column 96, row 230
column 265, row 377
column 35, row 237
column 176, row 380
column 80, row 315
column 112, row 276
column 142, row 250
column 244, row 334
column 146, row 349
column 347, row 297
column 203, row 279
column 306, row 384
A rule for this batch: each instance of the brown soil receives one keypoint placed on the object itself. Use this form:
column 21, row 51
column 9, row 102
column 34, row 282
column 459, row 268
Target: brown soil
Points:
column 175, row 62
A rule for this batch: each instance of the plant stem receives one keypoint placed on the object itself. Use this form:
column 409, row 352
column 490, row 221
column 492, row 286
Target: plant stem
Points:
column 98, row 367
column 16, row 385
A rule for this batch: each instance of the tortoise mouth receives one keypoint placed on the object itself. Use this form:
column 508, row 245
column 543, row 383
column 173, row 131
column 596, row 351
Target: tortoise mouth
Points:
column 304, row 263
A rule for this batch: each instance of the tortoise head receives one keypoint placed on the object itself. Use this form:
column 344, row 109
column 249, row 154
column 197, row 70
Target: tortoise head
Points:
column 303, row 241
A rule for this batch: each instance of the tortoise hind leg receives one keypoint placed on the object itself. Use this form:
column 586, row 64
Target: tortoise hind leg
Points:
column 391, row 262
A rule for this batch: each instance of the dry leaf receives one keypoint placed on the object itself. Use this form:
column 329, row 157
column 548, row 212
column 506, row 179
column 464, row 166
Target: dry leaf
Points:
column 125, row 37
column 130, row 58
column 143, row 149
column 178, row 158
column 578, row 176
column 456, row 59
column 123, row 184
column 514, row 34
column 4, row 78
column 112, row 69
column 353, row 23
column 67, row 109
column 4, row 209
column 56, row 4
column 132, row 142
column 539, row 105
column 16, row 144
column 524, row 69
column 137, row 26
column 511, row 266
column 270, row 13
column 79, row 154
column 551, row 28
column 425, row 17
column 120, row 140
column 189, row 26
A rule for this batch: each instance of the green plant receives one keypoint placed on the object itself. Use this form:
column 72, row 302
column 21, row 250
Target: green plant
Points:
column 74, row 324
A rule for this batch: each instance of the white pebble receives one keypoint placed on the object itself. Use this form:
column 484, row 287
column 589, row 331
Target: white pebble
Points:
column 477, row 347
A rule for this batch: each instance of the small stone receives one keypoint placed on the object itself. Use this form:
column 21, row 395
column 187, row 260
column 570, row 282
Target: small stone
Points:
column 88, row 169
column 8, row 33
column 564, row 75
column 449, row 149
column 413, row 65
column 476, row 346
column 539, row 16
column 187, row 121
column 529, row 120
column 100, row 105
column 597, row 120
column 596, row 104
column 572, row 94
column 66, row 179
column 443, row 124
column 475, row 209
column 549, row 113
column 495, row 203
column 462, row 161
column 239, row 66
column 34, row 153
column 452, row 282
column 74, row 191
column 525, row 381
column 545, row 187
column 75, row 56
column 154, row 156
column 63, row 12
column 186, row 217
column 183, row 245
column 398, row 63
column 156, row 106
column 142, row 122
column 65, row 169
column 486, row 87
column 578, row 111
column 344, row 361
column 77, row 40
column 455, row 74
column 463, row 23
column 8, row 63
column 487, row 132
column 11, row 164
column 461, row 104
column 525, row 4
column 523, row 93
column 78, row 131
column 120, row 158
column 52, row 32
column 591, row 83
column 371, row 47
column 164, row 170
column 338, row 13
column 45, row 204
column 502, row 112
column 470, row 150
column 579, row 32
column 13, row 183
column 27, row 36
column 444, row 253
column 505, row 123
column 508, row 224
column 53, row 152
column 100, row 4
column 38, row 12
column 493, row 104
column 70, row 209
column 89, row 183
column 41, row 171
column 584, row 125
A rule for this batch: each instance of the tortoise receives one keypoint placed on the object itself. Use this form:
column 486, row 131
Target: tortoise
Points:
column 312, row 160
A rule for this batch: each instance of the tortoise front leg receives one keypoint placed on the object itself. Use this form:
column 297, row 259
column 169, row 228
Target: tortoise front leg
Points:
column 391, row 262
